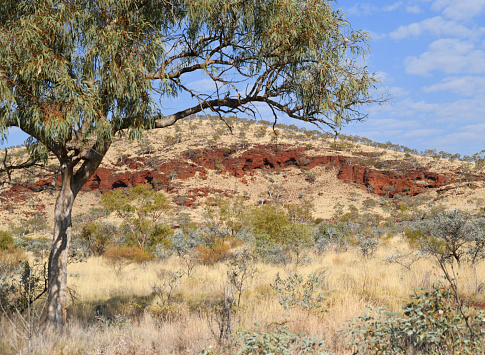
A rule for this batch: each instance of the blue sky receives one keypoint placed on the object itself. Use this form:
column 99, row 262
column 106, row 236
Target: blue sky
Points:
column 430, row 55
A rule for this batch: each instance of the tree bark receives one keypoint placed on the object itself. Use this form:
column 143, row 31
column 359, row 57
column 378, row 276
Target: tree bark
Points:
column 71, row 185
column 57, row 291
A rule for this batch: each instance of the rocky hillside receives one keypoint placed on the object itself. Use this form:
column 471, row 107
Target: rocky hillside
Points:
column 200, row 159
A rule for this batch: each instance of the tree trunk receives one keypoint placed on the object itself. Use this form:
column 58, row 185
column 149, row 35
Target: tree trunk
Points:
column 71, row 185
column 57, row 291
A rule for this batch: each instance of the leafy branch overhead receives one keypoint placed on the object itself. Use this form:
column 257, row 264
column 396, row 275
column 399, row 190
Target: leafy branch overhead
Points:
column 73, row 80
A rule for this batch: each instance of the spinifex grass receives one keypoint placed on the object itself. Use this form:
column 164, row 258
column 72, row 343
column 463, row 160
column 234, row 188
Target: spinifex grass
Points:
column 138, row 324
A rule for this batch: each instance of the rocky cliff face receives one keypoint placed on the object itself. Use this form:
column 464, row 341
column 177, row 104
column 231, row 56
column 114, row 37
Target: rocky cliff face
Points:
column 239, row 163
column 198, row 160
column 187, row 176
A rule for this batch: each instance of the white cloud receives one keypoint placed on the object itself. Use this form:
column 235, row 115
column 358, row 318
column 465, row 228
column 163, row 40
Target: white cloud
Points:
column 362, row 9
column 397, row 91
column 450, row 56
column 436, row 26
column 475, row 128
column 426, row 114
column 383, row 76
column 376, row 36
column 463, row 85
column 387, row 124
column 423, row 106
column 392, row 7
column 461, row 111
column 459, row 9
column 467, row 143
column 453, row 127
column 415, row 9
column 369, row 8
column 202, row 85
column 423, row 132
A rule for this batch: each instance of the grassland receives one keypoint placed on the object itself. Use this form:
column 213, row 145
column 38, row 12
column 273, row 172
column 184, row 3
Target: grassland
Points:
column 113, row 313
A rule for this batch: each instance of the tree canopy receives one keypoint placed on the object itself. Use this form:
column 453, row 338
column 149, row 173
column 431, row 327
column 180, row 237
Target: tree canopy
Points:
column 74, row 73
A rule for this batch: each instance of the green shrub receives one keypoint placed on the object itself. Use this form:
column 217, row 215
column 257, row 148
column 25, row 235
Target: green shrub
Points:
column 95, row 237
column 297, row 291
column 185, row 245
column 333, row 236
column 39, row 246
column 275, row 233
column 6, row 240
column 268, row 220
column 141, row 208
column 281, row 341
column 449, row 235
column 37, row 222
column 431, row 323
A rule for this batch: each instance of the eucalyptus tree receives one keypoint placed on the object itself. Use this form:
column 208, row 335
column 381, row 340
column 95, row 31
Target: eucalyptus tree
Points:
column 74, row 73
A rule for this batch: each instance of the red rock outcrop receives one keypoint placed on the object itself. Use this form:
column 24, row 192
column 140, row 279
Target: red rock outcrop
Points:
column 142, row 171
column 388, row 183
column 105, row 179
column 384, row 183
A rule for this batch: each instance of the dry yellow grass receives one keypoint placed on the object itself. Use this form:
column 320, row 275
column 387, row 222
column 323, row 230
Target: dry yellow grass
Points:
column 351, row 285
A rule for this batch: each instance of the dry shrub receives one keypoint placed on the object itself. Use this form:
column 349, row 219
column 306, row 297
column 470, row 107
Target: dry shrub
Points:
column 118, row 257
column 338, row 260
column 211, row 255
column 235, row 242
column 6, row 240
column 11, row 257
column 169, row 312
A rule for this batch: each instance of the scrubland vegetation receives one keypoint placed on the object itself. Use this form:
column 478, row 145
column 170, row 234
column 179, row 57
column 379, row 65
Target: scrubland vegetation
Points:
column 398, row 275
column 244, row 277
column 253, row 280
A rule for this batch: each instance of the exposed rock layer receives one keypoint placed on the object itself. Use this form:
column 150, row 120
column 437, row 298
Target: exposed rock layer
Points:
column 240, row 162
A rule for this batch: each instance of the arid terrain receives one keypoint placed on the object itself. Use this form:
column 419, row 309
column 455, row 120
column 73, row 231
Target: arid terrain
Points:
column 200, row 159
column 166, row 300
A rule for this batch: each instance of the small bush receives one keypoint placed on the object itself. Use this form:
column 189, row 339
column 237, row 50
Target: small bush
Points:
column 281, row 341
column 141, row 208
column 39, row 246
column 211, row 255
column 298, row 291
column 37, row 222
column 6, row 240
column 333, row 236
column 10, row 259
column 95, row 237
column 449, row 235
column 21, row 285
column 368, row 241
column 185, row 245
column 119, row 257
column 119, row 322
column 430, row 323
